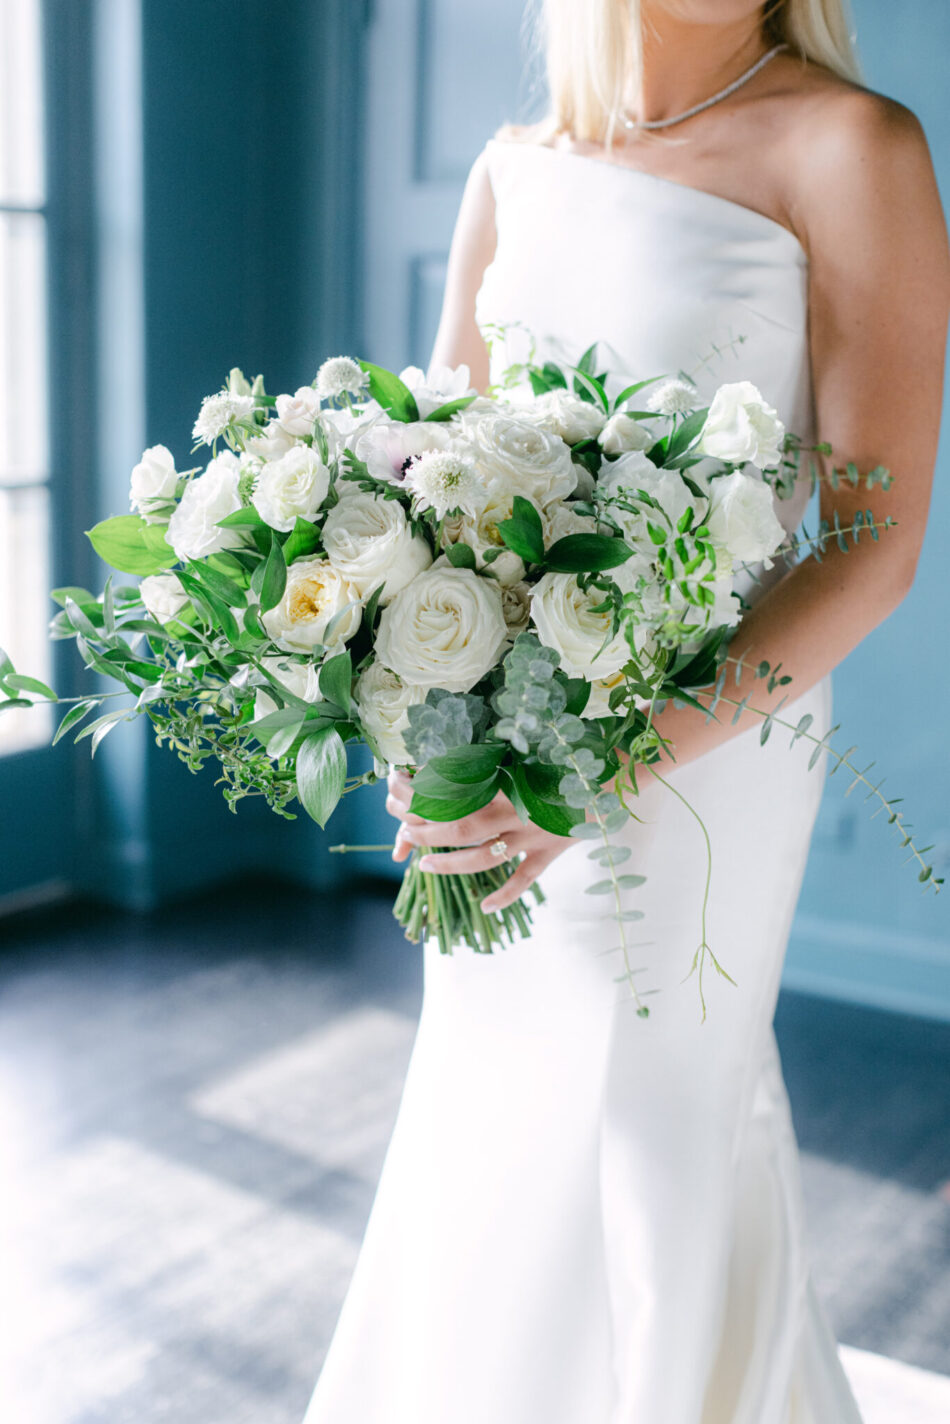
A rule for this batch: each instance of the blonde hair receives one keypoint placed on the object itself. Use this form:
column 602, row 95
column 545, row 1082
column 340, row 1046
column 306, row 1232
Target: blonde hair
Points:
column 592, row 48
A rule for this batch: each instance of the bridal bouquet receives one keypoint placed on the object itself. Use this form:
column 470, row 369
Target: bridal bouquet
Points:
column 498, row 592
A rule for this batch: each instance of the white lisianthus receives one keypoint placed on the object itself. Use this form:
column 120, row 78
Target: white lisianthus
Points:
column 300, row 678
column 298, row 412
column 384, row 701
column 742, row 428
column 193, row 529
column 437, row 386
column 388, row 446
column 623, row 433
column 564, row 616
column 742, row 519
column 480, row 533
column 446, row 481
column 568, row 415
column 218, row 412
column 515, row 455
column 370, row 542
column 676, row 397
column 340, row 375
column 445, row 629
column 163, row 596
column 633, row 472
column 272, row 442
column 598, row 703
column 315, row 594
column 560, row 520
column 153, row 482
column 296, row 484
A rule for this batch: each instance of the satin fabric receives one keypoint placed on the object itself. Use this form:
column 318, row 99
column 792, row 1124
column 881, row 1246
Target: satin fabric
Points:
column 585, row 1217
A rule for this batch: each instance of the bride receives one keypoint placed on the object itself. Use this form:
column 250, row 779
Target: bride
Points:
column 586, row 1217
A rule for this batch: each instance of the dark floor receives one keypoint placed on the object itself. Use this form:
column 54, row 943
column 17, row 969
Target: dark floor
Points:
column 193, row 1113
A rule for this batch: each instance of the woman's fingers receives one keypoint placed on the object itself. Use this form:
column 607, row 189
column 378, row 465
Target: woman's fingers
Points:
column 522, row 879
column 479, row 857
column 490, row 822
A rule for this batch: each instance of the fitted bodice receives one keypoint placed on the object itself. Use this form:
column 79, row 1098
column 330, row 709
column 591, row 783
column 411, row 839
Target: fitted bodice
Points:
column 666, row 277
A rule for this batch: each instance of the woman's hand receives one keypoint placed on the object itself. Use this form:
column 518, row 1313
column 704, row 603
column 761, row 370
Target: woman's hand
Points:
column 476, row 834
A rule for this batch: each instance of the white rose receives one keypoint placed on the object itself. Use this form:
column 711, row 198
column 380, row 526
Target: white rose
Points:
column 742, row 428
column 445, row 629
column 742, row 518
column 272, row 442
column 622, row 433
column 567, row 415
column 154, row 481
column 296, row 484
column 516, row 608
column 297, row 413
column 561, row 520
column 163, row 596
column 300, row 678
column 387, row 446
column 566, row 621
column 480, row 533
column 193, row 529
column 384, row 701
column 370, row 542
column 519, row 456
column 314, row 595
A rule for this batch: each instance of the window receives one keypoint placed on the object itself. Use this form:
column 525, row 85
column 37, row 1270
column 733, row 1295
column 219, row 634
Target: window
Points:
column 24, row 458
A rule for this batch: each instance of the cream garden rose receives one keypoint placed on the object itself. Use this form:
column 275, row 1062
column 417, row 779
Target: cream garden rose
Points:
column 742, row 519
column 742, row 428
column 480, row 533
column 384, row 701
column 563, row 613
column 568, row 415
column 296, row 484
column 369, row 541
column 193, row 530
column 315, row 594
column 622, row 433
column 445, row 629
column 518, row 456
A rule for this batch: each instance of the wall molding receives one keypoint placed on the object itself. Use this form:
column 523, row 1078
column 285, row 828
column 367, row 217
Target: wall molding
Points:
column 862, row 964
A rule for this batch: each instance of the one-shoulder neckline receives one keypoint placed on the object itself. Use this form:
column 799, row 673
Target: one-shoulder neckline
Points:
column 626, row 168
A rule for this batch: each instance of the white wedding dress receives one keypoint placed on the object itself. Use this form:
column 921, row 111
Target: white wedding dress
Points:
column 585, row 1217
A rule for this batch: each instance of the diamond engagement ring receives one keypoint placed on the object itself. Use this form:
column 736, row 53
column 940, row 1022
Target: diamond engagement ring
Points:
column 500, row 849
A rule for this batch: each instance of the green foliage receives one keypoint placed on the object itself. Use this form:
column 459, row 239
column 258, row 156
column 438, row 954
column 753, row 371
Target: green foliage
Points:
column 392, row 393
column 130, row 545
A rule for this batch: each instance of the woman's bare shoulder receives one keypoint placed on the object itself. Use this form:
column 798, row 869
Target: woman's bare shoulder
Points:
column 539, row 132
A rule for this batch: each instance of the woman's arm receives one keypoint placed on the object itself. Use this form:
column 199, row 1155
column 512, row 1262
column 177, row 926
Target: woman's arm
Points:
column 458, row 340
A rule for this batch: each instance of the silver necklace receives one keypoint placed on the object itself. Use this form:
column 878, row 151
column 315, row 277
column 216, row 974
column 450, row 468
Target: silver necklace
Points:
column 629, row 123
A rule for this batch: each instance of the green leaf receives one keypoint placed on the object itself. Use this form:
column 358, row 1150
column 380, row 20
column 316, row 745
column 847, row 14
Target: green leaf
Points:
column 461, row 556
column 629, row 391
column 283, row 739
column 78, row 595
column 321, row 773
column 304, row 538
column 468, row 764
column 446, row 411
column 79, row 620
column 74, row 715
column 467, row 801
column 550, row 815
column 336, row 680
column 274, row 579
column 685, row 434
column 130, row 545
column 217, row 583
column 12, row 703
column 586, row 553
column 371, row 608
column 242, row 519
column 218, row 613
column 523, row 533
column 392, row 393
column 21, row 683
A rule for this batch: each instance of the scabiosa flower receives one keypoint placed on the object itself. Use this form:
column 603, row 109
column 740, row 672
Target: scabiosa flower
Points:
column 675, row 397
column 218, row 412
column 445, row 481
column 340, row 375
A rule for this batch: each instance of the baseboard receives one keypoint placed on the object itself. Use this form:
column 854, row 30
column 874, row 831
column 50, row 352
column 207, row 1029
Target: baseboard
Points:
column 880, row 968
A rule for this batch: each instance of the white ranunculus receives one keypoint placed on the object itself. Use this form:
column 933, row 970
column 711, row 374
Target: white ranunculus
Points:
column 300, row 678
column 387, row 446
column 314, row 595
column 370, row 542
column 742, row 428
column 153, row 483
column 480, row 533
column 567, row 415
column 436, row 386
column 623, row 433
column 445, row 629
column 296, row 484
column 742, row 518
column 384, row 701
column 272, row 442
column 564, row 616
column 193, row 529
column 163, row 596
column 297, row 413
column 518, row 456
